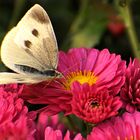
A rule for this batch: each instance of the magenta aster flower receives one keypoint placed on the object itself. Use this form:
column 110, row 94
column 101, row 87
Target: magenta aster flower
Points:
column 51, row 128
column 44, row 121
column 12, row 88
column 93, row 105
column 11, row 106
column 126, row 127
column 130, row 92
column 19, row 129
column 51, row 134
column 14, row 121
column 83, row 65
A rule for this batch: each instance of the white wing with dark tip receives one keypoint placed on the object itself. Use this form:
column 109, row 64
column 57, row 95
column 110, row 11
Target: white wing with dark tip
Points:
column 32, row 45
column 32, row 42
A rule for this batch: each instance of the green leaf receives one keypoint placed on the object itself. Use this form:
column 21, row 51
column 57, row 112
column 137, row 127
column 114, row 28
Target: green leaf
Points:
column 89, row 25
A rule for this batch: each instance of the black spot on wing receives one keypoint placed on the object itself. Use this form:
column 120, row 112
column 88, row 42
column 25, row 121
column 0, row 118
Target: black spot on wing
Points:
column 27, row 43
column 35, row 32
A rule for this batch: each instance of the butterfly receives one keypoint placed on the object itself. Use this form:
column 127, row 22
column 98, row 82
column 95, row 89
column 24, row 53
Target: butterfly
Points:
column 30, row 49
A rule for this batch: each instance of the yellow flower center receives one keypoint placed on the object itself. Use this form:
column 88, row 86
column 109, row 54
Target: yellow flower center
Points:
column 81, row 77
column 126, row 138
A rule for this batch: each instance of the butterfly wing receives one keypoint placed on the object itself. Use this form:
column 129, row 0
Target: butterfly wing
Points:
column 31, row 43
column 7, row 78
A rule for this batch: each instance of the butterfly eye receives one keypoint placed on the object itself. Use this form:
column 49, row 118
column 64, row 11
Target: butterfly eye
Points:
column 35, row 32
column 27, row 43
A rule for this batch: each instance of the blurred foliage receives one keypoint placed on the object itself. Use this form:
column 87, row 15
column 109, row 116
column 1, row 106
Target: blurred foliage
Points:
column 79, row 23
column 90, row 23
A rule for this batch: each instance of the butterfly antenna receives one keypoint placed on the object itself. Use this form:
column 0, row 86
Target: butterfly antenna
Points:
column 68, row 69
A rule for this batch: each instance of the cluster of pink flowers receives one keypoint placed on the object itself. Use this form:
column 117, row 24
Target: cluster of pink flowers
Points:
column 17, row 123
column 98, row 98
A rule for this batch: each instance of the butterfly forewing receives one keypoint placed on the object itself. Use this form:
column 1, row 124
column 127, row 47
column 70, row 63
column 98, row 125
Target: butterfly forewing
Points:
column 38, row 37
column 31, row 45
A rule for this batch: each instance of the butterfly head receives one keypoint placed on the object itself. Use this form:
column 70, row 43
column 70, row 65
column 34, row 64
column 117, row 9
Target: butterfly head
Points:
column 58, row 74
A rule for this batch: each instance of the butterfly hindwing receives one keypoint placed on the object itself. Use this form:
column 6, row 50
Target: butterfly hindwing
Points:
column 7, row 78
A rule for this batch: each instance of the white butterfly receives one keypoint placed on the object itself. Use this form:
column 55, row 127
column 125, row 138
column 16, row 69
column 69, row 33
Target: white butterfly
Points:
column 30, row 49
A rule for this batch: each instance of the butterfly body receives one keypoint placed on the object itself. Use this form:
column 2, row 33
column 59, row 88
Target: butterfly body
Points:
column 30, row 49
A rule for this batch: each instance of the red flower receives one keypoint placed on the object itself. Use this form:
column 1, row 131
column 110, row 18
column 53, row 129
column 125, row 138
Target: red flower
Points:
column 83, row 65
column 116, row 28
column 116, row 25
column 130, row 92
column 126, row 127
column 93, row 105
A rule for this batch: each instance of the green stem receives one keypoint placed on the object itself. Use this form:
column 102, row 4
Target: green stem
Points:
column 82, row 13
column 76, row 23
column 128, row 20
column 71, row 124
column 89, row 127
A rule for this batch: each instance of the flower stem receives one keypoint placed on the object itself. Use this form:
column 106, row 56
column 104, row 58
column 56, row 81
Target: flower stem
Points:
column 71, row 123
column 89, row 127
column 79, row 19
column 128, row 20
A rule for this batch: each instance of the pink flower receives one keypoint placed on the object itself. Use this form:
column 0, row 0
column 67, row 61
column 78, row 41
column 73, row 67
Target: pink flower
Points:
column 93, row 105
column 14, row 121
column 51, row 128
column 11, row 106
column 126, row 127
column 83, row 65
column 51, row 134
column 19, row 129
column 12, row 88
column 130, row 92
column 44, row 121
